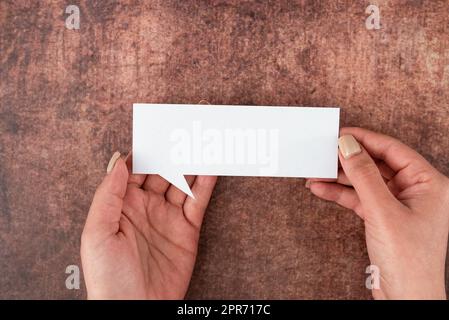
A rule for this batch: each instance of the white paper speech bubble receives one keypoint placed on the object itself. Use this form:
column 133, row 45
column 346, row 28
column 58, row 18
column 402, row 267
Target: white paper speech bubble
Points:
column 178, row 140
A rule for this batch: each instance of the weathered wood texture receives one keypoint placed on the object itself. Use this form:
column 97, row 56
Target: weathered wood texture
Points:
column 66, row 99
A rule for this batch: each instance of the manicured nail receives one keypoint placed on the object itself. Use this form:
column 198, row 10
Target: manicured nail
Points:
column 348, row 146
column 112, row 162
column 308, row 183
column 203, row 101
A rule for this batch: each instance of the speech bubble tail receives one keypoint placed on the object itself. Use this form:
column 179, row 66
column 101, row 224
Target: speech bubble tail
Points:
column 179, row 181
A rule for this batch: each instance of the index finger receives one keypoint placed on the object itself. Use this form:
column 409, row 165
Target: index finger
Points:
column 194, row 208
column 136, row 179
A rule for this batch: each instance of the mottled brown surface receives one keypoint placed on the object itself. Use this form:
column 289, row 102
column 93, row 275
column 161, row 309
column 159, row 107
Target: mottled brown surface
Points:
column 66, row 99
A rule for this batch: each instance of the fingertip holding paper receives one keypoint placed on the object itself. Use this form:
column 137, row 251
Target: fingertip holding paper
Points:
column 174, row 140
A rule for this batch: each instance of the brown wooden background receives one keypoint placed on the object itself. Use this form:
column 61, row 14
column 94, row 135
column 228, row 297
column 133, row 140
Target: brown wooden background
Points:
column 66, row 101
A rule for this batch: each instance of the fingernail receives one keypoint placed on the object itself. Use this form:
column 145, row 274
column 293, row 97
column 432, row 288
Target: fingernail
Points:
column 348, row 146
column 308, row 183
column 203, row 101
column 112, row 162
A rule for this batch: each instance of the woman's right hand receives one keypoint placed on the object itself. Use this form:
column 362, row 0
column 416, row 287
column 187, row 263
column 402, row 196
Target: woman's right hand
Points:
column 404, row 203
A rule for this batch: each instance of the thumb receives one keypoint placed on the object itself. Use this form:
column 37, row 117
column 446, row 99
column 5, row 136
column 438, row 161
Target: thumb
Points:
column 106, row 208
column 363, row 173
